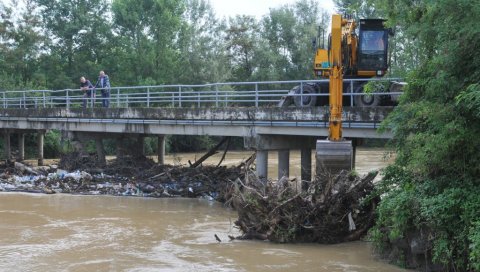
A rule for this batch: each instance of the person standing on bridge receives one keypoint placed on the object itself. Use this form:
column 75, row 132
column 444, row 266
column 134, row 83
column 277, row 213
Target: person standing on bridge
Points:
column 87, row 88
column 104, row 84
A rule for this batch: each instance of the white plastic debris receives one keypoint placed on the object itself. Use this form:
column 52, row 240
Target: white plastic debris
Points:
column 351, row 224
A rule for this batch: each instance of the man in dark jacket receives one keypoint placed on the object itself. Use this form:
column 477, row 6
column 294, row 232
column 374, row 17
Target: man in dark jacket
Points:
column 103, row 84
column 87, row 88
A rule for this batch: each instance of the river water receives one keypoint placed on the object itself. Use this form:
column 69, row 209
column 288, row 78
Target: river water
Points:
column 103, row 233
column 367, row 159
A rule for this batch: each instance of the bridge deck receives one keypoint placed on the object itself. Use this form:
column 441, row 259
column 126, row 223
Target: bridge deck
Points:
column 359, row 122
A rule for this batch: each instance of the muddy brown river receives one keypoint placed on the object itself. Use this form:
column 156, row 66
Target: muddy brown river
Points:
column 103, row 233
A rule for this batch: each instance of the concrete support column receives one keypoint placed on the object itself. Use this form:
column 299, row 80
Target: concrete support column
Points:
column 140, row 146
column 119, row 147
column 6, row 145
column 40, row 141
column 306, row 164
column 100, row 151
column 262, row 164
column 21, row 146
column 161, row 149
column 283, row 163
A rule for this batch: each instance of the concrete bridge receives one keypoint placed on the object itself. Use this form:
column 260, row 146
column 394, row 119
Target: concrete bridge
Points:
column 150, row 112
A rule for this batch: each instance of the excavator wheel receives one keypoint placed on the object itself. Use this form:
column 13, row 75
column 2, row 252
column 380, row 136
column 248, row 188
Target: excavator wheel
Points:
column 307, row 100
column 365, row 100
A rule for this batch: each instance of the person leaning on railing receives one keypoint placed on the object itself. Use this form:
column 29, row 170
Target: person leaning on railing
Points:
column 103, row 84
column 87, row 88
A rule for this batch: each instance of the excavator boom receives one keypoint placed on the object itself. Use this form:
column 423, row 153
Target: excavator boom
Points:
column 335, row 154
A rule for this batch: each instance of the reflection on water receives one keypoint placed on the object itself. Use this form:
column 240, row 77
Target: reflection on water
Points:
column 90, row 233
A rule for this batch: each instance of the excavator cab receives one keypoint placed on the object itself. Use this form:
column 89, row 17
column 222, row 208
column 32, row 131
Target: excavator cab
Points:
column 372, row 48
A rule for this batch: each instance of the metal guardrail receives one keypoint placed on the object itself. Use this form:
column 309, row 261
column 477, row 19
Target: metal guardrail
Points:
column 249, row 94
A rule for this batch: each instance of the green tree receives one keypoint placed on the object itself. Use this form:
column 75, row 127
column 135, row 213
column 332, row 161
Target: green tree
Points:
column 21, row 46
column 148, row 31
column 436, row 127
column 201, row 43
column 79, row 32
column 358, row 8
column 289, row 31
column 242, row 39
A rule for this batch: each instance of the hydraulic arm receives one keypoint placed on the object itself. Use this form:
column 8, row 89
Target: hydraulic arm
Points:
column 335, row 154
column 336, row 80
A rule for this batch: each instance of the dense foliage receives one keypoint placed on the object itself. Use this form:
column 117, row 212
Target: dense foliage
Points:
column 50, row 44
column 434, row 186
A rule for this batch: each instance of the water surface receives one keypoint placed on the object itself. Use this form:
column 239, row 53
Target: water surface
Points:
column 103, row 233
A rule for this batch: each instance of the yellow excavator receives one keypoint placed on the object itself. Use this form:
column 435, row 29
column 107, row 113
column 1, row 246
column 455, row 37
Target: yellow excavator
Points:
column 361, row 55
column 348, row 55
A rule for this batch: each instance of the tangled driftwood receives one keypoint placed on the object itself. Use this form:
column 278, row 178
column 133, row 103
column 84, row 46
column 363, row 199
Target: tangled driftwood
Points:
column 333, row 209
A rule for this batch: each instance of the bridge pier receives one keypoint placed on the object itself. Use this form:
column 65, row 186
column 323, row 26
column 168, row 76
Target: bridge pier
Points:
column 161, row 149
column 283, row 144
column 119, row 147
column 40, row 142
column 100, row 151
column 283, row 163
column 6, row 145
column 140, row 146
column 306, row 164
column 21, row 146
column 262, row 164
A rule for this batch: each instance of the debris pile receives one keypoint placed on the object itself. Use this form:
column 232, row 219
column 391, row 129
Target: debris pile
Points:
column 333, row 209
column 128, row 176
column 75, row 161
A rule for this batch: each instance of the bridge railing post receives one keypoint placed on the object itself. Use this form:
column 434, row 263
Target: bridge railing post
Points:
column 4, row 101
column 216, row 95
column 225, row 98
column 256, row 95
column 118, row 98
column 301, row 93
column 198, row 99
column 44, row 102
column 92, row 99
column 180, row 96
column 148, row 97
column 67, row 97
column 351, row 93
column 24, row 100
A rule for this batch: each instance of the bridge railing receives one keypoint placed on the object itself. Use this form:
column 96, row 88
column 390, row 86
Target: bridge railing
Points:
column 248, row 94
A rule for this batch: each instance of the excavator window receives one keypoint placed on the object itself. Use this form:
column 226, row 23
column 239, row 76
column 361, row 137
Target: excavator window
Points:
column 373, row 41
column 373, row 45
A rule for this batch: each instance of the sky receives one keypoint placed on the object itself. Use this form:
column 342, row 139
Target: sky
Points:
column 257, row 8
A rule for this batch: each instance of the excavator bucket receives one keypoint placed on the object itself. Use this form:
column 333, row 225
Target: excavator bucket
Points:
column 334, row 156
